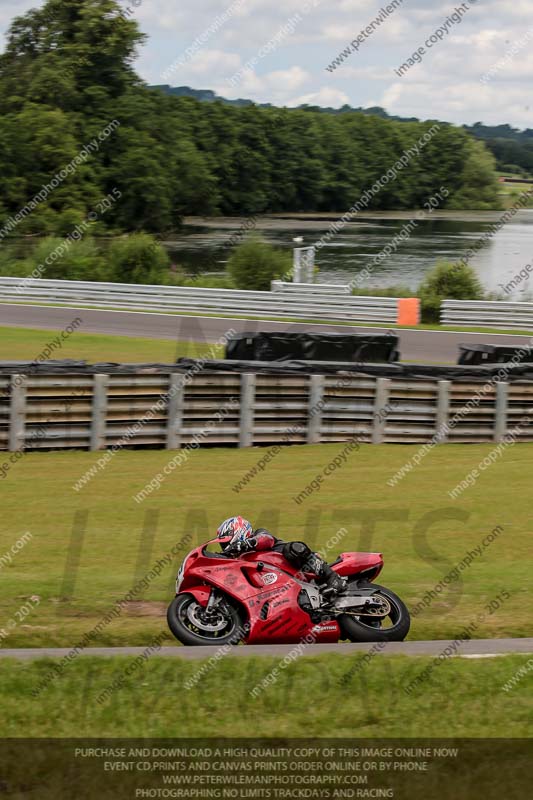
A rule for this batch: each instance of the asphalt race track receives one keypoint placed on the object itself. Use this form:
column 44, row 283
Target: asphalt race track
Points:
column 472, row 648
column 438, row 347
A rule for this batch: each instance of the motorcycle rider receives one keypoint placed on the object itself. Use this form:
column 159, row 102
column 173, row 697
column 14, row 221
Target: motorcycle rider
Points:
column 245, row 540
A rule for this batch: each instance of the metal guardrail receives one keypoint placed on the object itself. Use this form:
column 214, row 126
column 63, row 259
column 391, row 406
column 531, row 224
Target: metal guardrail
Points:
column 160, row 410
column 487, row 314
column 286, row 300
column 311, row 288
column 284, row 304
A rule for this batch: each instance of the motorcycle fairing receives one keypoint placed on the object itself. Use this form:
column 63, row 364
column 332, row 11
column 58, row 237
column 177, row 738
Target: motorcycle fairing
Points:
column 352, row 564
column 268, row 587
column 268, row 593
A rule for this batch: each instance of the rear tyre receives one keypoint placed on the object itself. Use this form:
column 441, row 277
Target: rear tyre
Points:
column 393, row 628
column 191, row 625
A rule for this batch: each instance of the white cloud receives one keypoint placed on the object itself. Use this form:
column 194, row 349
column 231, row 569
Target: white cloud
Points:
column 288, row 79
column 213, row 62
column 275, row 86
column 361, row 73
column 337, row 33
column 166, row 19
column 323, row 97
column 395, row 29
column 507, row 9
column 357, row 5
column 465, row 101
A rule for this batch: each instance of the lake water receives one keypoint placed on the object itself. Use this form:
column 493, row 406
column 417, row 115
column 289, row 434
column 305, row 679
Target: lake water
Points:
column 203, row 246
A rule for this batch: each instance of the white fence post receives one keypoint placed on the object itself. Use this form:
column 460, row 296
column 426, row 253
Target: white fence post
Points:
column 308, row 262
column 380, row 411
column 246, row 427
column 297, row 265
column 176, row 394
column 17, row 412
column 443, row 411
column 500, row 413
column 314, row 411
column 99, row 412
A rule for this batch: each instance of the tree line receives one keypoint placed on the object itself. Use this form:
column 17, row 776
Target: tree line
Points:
column 67, row 74
column 512, row 148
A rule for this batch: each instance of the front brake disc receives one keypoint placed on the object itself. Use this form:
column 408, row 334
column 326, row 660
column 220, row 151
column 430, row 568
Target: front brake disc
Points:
column 193, row 615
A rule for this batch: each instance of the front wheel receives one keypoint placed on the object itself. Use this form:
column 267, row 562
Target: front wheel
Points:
column 394, row 627
column 192, row 625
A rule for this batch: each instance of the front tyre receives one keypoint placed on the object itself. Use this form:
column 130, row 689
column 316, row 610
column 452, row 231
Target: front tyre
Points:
column 393, row 628
column 192, row 625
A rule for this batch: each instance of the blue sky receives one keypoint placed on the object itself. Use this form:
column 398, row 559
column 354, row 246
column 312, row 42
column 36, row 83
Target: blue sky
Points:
column 278, row 53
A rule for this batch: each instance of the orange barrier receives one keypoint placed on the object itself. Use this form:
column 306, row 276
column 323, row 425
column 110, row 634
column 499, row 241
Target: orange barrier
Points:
column 408, row 311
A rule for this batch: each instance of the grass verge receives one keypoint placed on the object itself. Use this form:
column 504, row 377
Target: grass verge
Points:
column 309, row 698
column 28, row 343
column 89, row 548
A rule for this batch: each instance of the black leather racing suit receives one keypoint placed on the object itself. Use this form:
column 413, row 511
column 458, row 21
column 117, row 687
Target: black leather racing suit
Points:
column 299, row 555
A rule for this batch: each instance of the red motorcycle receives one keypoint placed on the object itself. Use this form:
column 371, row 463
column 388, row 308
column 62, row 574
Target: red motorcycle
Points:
column 259, row 598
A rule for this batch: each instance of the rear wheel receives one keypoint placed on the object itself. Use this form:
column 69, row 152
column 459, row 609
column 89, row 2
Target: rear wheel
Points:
column 193, row 625
column 393, row 627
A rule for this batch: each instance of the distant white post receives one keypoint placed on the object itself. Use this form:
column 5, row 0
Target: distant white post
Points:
column 303, row 263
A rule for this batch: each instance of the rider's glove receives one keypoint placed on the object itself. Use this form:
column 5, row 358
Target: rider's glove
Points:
column 242, row 547
column 234, row 549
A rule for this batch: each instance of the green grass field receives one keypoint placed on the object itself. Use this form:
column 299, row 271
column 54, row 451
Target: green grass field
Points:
column 27, row 343
column 89, row 548
column 421, row 531
column 461, row 698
